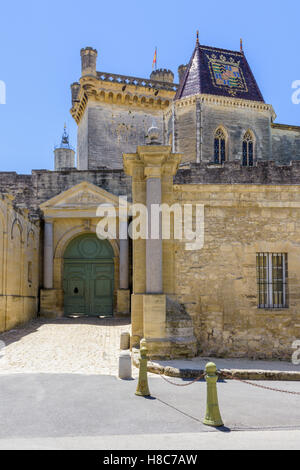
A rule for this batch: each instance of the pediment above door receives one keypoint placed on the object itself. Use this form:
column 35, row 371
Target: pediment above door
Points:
column 81, row 200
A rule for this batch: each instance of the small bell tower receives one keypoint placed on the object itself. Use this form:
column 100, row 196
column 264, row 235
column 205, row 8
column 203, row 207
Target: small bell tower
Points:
column 64, row 154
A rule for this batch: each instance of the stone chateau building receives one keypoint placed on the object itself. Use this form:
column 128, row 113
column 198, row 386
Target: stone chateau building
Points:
column 218, row 145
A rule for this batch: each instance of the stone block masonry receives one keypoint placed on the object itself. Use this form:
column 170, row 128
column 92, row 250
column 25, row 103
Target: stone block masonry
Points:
column 108, row 131
column 218, row 284
column 19, row 265
column 32, row 190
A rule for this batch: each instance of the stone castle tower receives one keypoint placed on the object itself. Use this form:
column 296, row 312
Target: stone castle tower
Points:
column 210, row 140
column 217, row 98
column 114, row 112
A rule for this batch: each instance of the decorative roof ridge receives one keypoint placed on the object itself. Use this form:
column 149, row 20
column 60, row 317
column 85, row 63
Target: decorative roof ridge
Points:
column 218, row 49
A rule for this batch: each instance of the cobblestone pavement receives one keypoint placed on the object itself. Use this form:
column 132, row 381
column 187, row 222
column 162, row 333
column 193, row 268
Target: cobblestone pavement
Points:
column 82, row 346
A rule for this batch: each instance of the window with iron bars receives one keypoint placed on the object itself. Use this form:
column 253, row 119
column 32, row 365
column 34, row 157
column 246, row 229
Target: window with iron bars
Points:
column 272, row 277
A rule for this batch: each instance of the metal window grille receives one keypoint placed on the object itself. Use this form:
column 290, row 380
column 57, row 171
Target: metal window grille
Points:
column 272, row 277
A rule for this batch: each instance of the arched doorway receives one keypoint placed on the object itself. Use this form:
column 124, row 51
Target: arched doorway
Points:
column 88, row 277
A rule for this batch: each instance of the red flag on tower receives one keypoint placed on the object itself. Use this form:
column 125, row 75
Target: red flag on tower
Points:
column 154, row 63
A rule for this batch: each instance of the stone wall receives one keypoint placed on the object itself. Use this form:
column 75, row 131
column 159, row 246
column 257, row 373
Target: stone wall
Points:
column 108, row 130
column 19, row 261
column 49, row 184
column 83, row 142
column 218, row 284
column 195, row 130
column 285, row 143
column 185, row 131
column 236, row 122
column 267, row 173
column 32, row 190
column 19, row 186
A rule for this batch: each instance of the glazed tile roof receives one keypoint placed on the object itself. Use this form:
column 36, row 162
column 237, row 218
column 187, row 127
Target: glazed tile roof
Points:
column 219, row 72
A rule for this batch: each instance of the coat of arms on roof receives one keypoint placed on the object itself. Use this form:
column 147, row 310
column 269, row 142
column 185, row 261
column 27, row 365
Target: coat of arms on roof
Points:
column 225, row 72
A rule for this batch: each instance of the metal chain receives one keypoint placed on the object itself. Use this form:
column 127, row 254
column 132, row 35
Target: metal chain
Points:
column 257, row 385
column 182, row 385
column 161, row 374
column 202, row 376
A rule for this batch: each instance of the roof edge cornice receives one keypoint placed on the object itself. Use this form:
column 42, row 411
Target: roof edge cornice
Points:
column 225, row 101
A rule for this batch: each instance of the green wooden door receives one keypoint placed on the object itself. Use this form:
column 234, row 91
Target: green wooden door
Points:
column 88, row 277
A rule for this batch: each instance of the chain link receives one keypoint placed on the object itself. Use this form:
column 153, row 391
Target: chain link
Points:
column 226, row 376
column 161, row 374
column 182, row 385
column 223, row 374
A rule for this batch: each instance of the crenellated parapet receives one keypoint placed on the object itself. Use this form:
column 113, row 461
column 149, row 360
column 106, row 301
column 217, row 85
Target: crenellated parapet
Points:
column 154, row 93
column 121, row 90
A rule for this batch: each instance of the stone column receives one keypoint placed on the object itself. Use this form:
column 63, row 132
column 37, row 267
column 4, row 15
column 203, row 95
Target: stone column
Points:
column 123, row 296
column 152, row 169
column 154, row 279
column 124, row 255
column 48, row 255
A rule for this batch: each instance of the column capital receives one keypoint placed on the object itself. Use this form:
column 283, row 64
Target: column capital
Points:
column 155, row 160
column 153, row 172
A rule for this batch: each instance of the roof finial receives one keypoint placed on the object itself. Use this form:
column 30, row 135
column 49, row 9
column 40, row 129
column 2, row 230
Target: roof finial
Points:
column 65, row 138
column 197, row 37
column 241, row 46
column 153, row 134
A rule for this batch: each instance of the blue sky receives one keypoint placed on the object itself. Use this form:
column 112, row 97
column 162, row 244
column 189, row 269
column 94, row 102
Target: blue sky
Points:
column 40, row 46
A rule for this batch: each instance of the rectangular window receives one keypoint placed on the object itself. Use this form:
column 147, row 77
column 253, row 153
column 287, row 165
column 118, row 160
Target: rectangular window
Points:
column 272, row 275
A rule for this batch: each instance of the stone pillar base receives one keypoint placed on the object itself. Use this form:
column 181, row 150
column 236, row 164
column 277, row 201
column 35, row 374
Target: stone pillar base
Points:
column 154, row 309
column 159, row 348
column 171, row 348
column 123, row 302
column 51, row 303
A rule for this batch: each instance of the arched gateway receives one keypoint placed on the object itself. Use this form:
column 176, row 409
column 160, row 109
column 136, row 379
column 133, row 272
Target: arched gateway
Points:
column 88, row 277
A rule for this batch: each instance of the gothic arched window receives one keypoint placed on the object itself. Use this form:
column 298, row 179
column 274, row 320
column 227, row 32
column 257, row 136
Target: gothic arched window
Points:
column 248, row 149
column 220, row 147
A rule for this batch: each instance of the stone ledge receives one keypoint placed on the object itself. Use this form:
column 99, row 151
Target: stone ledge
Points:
column 229, row 374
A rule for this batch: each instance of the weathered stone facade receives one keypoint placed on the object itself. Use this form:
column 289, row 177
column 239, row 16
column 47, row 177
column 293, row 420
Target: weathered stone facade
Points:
column 197, row 118
column 20, row 265
column 218, row 284
column 183, row 302
column 114, row 112
column 285, row 143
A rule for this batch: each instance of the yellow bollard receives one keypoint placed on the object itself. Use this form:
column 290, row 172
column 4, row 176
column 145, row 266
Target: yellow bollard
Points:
column 213, row 415
column 142, row 387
